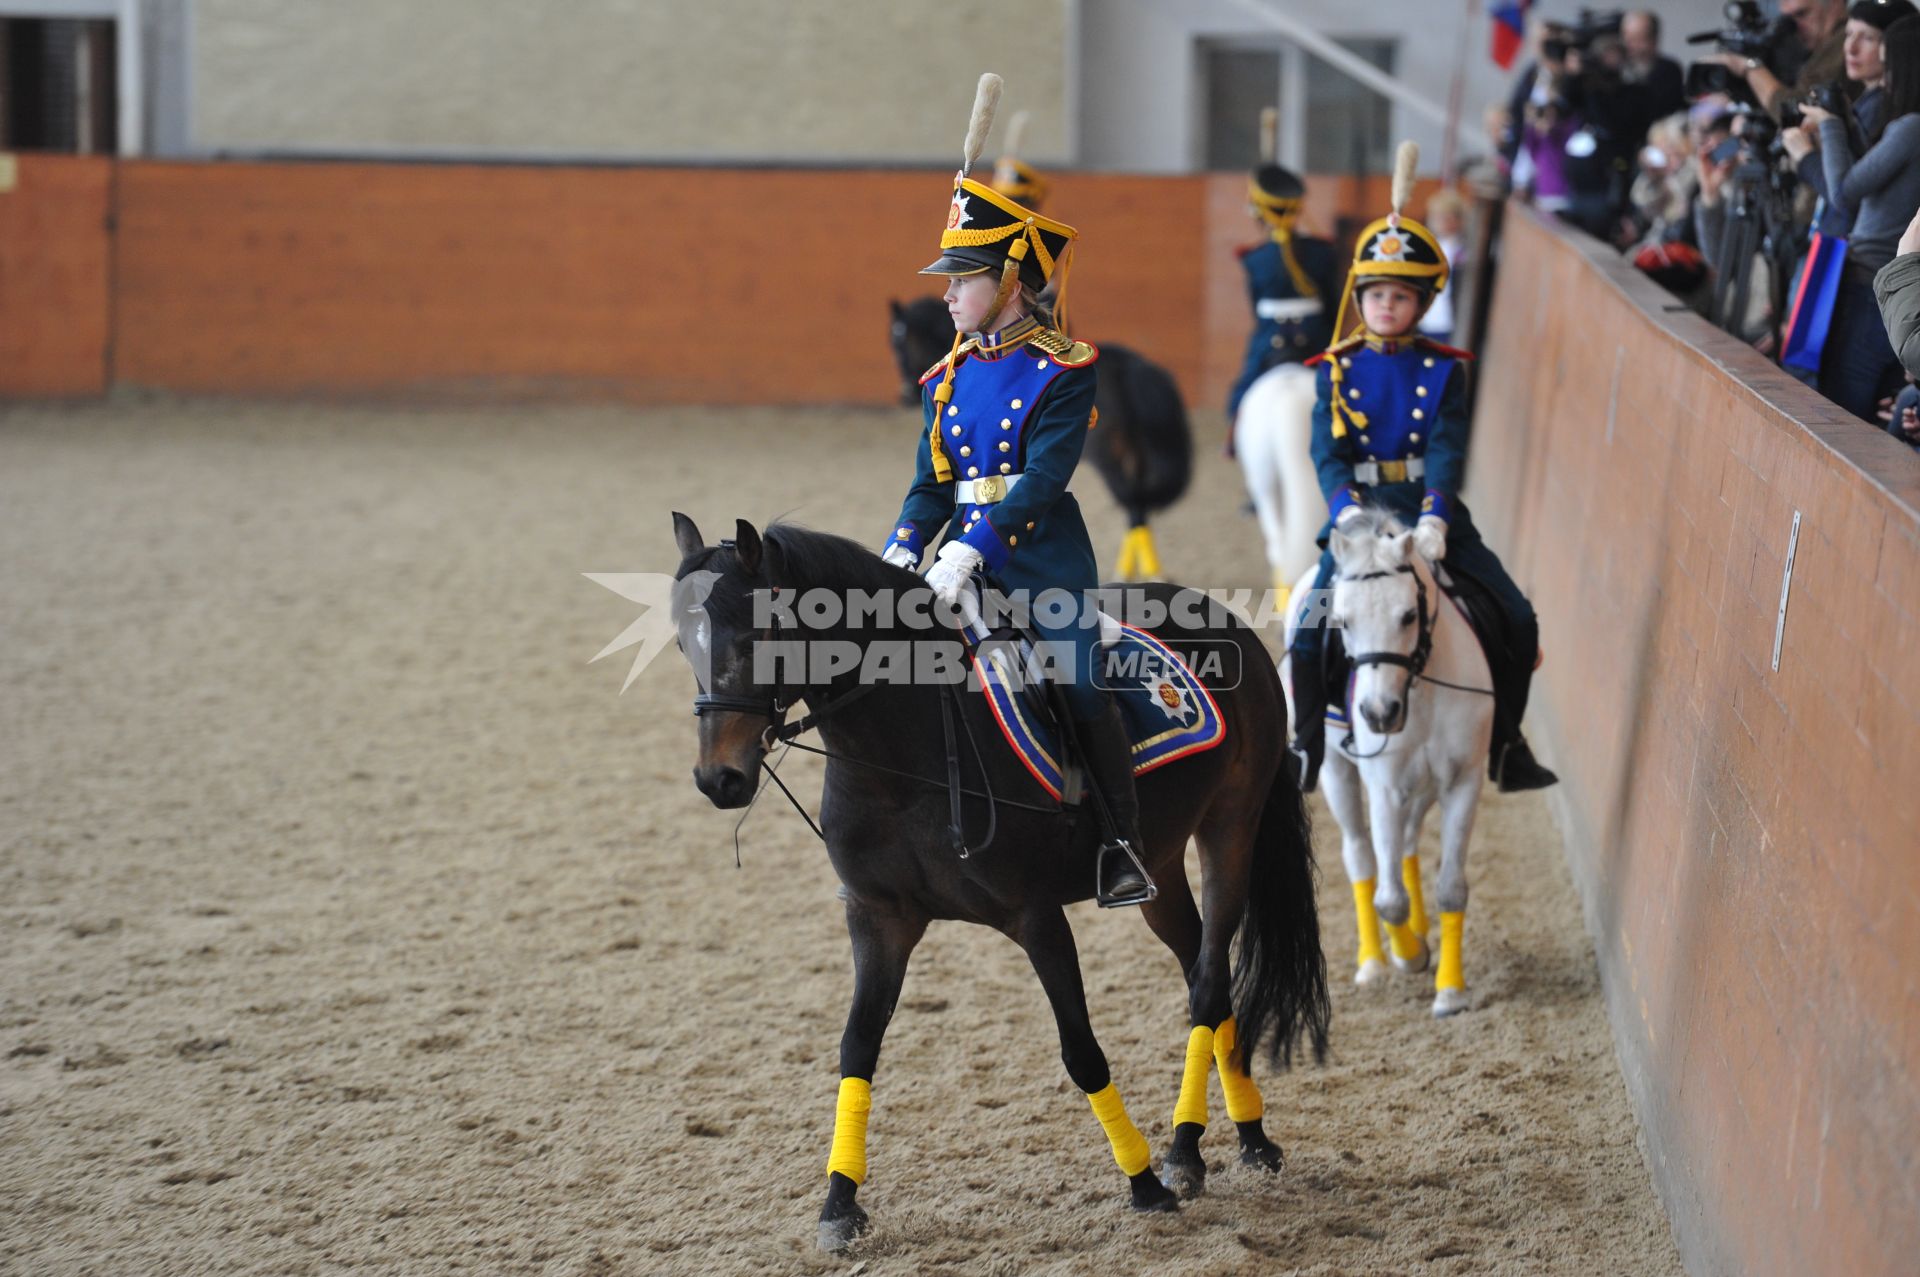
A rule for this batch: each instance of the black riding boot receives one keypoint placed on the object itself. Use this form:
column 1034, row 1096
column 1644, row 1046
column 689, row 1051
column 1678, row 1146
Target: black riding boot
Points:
column 1511, row 765
column 1108, row 750
column 1309, row 745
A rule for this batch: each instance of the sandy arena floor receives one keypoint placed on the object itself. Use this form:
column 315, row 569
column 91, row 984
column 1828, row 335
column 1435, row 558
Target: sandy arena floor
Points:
column 353, row 921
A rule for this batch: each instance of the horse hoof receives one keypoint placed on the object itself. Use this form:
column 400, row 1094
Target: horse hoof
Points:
column 1371, row 971
column 838, row 1235
column 1417, row 963
column 1262, row 1155
column 1449, row 1002
column 1149, row 1194
column 1186, row 1179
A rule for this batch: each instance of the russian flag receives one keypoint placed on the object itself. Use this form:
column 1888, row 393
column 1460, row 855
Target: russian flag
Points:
column 1509, row 30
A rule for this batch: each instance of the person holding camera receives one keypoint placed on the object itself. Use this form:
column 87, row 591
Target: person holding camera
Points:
column 1880, row 191
column 1866, row 66
column 1819, row 27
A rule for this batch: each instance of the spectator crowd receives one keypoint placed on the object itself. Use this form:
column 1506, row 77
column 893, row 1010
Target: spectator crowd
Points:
column 1773, row 184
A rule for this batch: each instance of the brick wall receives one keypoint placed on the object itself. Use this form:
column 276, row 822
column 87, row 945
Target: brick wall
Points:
column 1747, row 841
column 54, row 276
column 648, row 284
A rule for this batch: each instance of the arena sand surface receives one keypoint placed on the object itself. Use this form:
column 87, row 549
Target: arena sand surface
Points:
column 352, row 920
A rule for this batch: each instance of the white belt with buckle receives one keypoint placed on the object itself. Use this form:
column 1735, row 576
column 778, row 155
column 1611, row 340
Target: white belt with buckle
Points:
column 984, row 491
column 1278, row 308
column 1377, row 472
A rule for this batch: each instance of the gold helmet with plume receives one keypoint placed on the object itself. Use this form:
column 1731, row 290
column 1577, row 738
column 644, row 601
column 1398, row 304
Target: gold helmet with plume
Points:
column 1395, row 248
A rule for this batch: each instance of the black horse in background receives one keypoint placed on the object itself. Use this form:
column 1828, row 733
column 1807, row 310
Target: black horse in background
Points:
column 1249, row 947
column 1142, row 445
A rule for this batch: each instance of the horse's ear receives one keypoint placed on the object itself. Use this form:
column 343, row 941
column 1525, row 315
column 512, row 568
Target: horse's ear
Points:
column 686, row 536
column 893, row 304
column 746, row 545
column 1403, row 548
column 1341, row 545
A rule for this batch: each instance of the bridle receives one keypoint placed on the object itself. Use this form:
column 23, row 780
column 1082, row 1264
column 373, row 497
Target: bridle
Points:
column 1415, row 662
column 774, row 704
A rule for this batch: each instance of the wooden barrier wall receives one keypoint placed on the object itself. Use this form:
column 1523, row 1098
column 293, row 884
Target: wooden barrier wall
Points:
column 644, row 284
column 54, row 279
column 1747, row 840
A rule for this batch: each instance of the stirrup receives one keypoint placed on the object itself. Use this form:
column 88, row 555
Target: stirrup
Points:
column 1305, row 774
column 1133, row 895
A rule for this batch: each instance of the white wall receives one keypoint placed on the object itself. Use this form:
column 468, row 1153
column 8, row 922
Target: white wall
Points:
column 1142, row 95
column 729, row 80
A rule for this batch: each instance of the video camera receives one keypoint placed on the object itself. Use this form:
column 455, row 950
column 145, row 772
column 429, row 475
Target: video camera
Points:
column 1563, row 38
column 1750, row 35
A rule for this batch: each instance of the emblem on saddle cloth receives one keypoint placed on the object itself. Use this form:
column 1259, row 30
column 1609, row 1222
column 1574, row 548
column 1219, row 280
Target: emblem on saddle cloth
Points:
column 1168, row 711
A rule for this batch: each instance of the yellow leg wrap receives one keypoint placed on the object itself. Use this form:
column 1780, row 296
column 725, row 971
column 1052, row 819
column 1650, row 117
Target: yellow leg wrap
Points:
column 1369, row 922
column 1452, row 926
column 1405, row 941
column 849, row 1155
column 1243, row 1097
column 1138, row 558
column 1129, row 1145
column 1192, row 1105
column 1417, row 912
column 1149, row 553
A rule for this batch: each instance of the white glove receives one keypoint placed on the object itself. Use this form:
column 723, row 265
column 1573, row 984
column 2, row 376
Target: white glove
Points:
column 1430, row 537
column 953, row 570
column 901, row 557
column 1346, row 517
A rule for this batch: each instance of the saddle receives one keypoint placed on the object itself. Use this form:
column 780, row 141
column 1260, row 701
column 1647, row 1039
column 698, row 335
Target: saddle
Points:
column 1168, row 711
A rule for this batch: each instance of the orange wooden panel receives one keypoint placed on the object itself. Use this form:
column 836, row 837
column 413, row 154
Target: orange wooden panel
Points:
column 1744, row 837
column 54, row 267
column 665, row 285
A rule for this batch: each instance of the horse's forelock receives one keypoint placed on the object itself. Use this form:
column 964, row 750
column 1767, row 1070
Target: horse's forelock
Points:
column 1372, row 544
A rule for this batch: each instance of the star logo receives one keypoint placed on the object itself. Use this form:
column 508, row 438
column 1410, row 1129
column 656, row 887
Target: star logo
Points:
column 1171, row 699
column 1390, row 247
column 957, row 216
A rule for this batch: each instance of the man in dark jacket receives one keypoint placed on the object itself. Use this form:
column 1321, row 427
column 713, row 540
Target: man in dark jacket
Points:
column 1897, row 289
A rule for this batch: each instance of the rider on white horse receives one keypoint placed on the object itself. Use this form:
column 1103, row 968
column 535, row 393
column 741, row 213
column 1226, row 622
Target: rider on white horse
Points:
column 1390, row 429
column 1292, row 279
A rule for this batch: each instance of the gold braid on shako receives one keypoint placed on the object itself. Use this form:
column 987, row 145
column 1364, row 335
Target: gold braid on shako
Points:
column 988, row 231
column 1394, row 248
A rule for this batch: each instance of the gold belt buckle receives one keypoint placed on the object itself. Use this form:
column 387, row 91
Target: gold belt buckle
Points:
column 989, row 489
column 1393, row 471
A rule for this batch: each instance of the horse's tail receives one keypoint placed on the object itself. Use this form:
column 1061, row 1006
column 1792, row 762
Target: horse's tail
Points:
column 1166, row 442
column 1280, row 975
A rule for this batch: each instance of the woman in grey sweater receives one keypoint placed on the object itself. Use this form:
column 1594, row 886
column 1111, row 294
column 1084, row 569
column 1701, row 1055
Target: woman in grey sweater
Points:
column 1880, row 191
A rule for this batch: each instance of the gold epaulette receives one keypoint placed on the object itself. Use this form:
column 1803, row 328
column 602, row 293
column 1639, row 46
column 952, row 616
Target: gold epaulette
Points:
column 940, row 364
column 1064, row 349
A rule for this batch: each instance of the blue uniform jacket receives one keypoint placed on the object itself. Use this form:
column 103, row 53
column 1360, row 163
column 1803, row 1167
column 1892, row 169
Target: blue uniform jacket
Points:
column 1026, row 413
column 1404, row 399
column 1278, row 339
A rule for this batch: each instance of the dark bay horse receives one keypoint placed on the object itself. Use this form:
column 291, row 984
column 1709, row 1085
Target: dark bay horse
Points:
column 888, row 824
column 1142, row 445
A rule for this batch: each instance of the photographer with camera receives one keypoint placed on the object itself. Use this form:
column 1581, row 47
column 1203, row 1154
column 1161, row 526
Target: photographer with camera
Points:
column 1777, row 68
column 1583, row 123
column 1867, row 22
column 1880, row 191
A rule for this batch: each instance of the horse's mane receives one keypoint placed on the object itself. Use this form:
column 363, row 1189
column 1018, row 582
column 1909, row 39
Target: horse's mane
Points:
column 802, row 557
column 1372, row 531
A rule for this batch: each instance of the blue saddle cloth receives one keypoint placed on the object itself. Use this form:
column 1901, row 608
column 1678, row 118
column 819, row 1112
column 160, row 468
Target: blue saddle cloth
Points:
column 1168, row 711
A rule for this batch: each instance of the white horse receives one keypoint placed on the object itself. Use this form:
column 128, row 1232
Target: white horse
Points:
column 1272, row 437
column 1421, row 713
